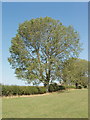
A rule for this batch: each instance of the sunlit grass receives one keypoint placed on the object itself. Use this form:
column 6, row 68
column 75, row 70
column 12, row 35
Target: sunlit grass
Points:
column 68, row 104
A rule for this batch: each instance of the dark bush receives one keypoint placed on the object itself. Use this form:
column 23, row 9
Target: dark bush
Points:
column 85, row 86
column 51, row 88
column 33, row 90
column 54, row 87
column 6, row 90
column 22, row 90
column 79, row 87
column 61, row 87
column 42, row 90
column 15, row 90
column 0, row 90
column 28, row 90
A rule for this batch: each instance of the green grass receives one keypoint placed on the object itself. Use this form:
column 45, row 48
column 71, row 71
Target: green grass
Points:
column 69, row 104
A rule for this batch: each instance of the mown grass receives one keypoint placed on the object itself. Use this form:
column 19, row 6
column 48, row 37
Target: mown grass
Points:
column 69, row 104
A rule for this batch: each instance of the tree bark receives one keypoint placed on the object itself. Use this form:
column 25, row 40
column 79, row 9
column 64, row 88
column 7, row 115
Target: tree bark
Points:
column 46, row 85
column 76, row 85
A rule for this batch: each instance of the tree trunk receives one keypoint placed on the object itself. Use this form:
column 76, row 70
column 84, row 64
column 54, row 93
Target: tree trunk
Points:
column 47, row 88
column 46, row 85
column 48, row 72
column 76, row 85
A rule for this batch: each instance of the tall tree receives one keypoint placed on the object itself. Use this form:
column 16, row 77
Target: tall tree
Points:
column 75, row 71
column 39, row 48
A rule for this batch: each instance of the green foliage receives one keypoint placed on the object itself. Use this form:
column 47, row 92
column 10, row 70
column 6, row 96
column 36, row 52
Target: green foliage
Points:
column 7, row 90
column 51, row 88
column 61, row 87
column 22, row 90
column 0, row 89
column 42, row 90
column 85, row 86
column 79, row 87
column 70, row 86
column 39, row 48
column 54, row 87
column 75, row 71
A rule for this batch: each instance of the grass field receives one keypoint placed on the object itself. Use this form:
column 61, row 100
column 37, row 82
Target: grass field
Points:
column 68, row 104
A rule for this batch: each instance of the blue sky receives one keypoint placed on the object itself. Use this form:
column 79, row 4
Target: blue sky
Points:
column 69, row 13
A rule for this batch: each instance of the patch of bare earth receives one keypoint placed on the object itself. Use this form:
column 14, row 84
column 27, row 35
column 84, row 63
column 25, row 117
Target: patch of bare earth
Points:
column 27, row 95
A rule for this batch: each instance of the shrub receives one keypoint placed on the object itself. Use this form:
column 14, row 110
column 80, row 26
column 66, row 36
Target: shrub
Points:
column 71, row 86
column 0, row 90
column 15, row 90
column 21, row 90
column 33, row 90
column 51, row 88
column 54, row 87
column 28, row 90
column 61, row 87
column 79, row 87
column 42, row 90
column 85, row 86
column 6, row 90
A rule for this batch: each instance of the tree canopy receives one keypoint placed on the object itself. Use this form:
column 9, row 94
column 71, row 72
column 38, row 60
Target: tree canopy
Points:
column 39, row 48
column 75, row 71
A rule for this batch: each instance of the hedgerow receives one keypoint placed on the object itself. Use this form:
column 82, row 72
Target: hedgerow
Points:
column 29, row 90
column 21, row 90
